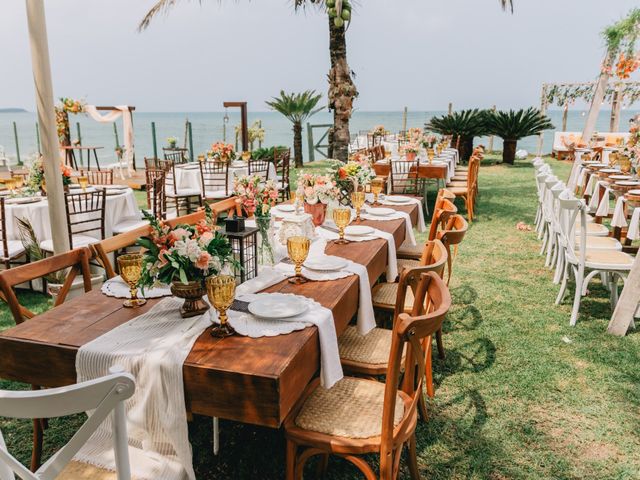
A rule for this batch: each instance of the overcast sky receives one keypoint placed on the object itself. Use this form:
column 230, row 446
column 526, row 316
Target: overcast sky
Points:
column 418, row 53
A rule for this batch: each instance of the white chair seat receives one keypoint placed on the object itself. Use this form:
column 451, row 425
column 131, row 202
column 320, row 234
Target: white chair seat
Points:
column 607, row 260
column 595, row 229
column 78, row 241
column 128, row 224
column 15, row 248
column 217, row 195
column 184, row 192
column 600, row 243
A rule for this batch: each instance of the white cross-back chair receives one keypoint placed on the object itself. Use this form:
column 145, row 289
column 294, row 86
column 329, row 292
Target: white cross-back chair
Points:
column 584, row 263
column 102, row 397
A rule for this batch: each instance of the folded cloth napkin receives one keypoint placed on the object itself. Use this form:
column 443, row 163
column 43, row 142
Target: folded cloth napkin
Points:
column 267, row 277
column 395, row 216
column 594, row 202
column 416, row 201
column 634, row 225
column 590, row 184
column 603, row 207
column 580, row 178
column 392, row 261
column 619, row 219
column 321, row 317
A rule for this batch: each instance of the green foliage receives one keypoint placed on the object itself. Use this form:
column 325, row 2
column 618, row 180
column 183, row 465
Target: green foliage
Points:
column 264, row 152
column 297, row 107
column 31, row 245
column 514, row 125
column 623, row 34
column 466, row 123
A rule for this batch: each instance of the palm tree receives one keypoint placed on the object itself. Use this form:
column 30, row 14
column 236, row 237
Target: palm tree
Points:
column 465, row 123
column 297, row 107
column 512, row 126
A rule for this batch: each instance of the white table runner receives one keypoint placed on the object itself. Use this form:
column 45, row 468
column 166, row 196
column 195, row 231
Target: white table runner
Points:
column 397, row 215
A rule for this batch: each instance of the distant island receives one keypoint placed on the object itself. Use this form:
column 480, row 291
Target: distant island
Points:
column 12, row 110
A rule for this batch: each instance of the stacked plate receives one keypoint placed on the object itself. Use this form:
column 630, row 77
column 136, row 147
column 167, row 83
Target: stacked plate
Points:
column 397, row 199
column 278, row 306
column 358, row 231
column 22, row 200
column 325, row 264
column 380, row 212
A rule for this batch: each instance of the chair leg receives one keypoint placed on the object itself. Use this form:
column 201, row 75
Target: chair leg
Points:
column 557, row 277
column 323, row 463
column 36, row 453
column 413, row 458
column 291, row 460
column 216, row 435
column 563, row 285
column 578, row 297
column 440, row 344
column 614, row 291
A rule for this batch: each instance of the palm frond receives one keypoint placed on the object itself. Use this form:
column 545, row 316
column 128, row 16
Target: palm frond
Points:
column 31, row 245
column 297, row 107
column 466, row 123
column 514, row 125
column 507, row 3
column 162, row 6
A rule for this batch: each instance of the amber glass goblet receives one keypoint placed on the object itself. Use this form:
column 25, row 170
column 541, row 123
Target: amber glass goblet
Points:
column 377, row 184
column 83, row 182
column 342, row 218
column 298, row 250
column 130, row 266
column 221, row 291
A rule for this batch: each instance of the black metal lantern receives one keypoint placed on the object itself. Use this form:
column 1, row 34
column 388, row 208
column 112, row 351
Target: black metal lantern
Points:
column 244, row 245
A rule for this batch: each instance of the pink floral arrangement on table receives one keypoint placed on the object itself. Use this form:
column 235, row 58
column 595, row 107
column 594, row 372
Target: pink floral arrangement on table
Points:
column 222, row 151
column 357, row 171
column 378, row 130
column 316, row 188
column 415, row 135
column 428, row 141
column 410, row 148
column 256, row 197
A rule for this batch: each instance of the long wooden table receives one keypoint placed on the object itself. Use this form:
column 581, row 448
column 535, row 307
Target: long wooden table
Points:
column 249, row 380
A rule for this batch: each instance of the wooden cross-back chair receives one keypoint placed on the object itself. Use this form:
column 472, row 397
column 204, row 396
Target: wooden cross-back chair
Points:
column 452, row 235
column 467, row 190
column 11, row 250
column 359, row 416
column 404, row 177
column 282, row 162
column 214, row 176
column 187, row 199
column 260, row 167
column 77, row 261
column 98, row 177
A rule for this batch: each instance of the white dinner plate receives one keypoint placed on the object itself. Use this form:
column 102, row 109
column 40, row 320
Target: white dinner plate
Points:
column 358, row 230
column 276, row 306
column 619, row 177
column 22, row 200
column 325, row 263
column 381, row 212
column 628, row 183
column 634, row 192
column 610, row 170
column 286, row 207
column 111, row 187
column 113, row 191
column 397, row 199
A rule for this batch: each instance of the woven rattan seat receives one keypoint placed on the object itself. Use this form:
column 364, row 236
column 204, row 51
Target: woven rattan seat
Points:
column 406, row 263
column 372, row 348
column 459, row 178
column 410, row 251
column 384, row 296
column 84, row 471
column 352, row 408
column 460, row 184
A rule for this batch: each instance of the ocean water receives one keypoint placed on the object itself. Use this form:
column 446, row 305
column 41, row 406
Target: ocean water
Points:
column 208, row 127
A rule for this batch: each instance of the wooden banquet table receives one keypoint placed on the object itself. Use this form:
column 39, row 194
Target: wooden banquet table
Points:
column 251, row 380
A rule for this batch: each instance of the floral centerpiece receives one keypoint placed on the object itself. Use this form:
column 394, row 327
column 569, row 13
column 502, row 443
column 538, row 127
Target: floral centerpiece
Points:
column 351, row 176
column 222, row 151
column 172, row 142
column 183, row 257
column 36, row 175
column 429, row 141
column 378, row 131
column 410, row 151
column 257, row 198
column 316, row 191
column 415, row 135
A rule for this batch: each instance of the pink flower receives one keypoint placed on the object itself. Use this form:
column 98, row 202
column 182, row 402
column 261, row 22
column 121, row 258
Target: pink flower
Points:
column 162, row 256
column 206, row 237
column 308, row 191
column 203, row 261
column 180, row 233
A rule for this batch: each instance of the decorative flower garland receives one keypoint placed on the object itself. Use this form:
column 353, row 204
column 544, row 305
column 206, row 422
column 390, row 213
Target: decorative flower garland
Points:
column 562, row 95
column 621, row 40
column 62, row 109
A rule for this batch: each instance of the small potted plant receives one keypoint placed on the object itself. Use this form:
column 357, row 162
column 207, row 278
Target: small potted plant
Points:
column 172, row 142
column 410, row 151
column 351, row 176
column 223, row 152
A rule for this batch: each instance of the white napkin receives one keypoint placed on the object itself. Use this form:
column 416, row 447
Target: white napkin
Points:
column 397, row 215
column 422, row 227
column 116, row 287
column 392, row 261
column 590, row 184
column 603, row 207
column 634, row 228
column 581, row 175
column 619, row 219
column 594, row 202
column 266, row 278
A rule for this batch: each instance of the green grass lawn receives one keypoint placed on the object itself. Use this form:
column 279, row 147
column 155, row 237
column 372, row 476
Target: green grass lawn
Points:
column 521, row 395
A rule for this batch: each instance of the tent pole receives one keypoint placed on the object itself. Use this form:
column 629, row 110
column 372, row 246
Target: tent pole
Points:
column 47, row 120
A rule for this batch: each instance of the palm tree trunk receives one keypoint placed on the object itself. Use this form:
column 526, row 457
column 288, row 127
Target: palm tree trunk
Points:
column 509, row 151
column 342, row 92
column 297, row 144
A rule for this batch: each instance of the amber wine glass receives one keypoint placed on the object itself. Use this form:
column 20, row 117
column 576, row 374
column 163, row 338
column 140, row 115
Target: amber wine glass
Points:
column 357, row 199
column 342, row 218
column 298, row 250
column 221, row 291
column 83, row 182
column 130, row 271
column 431, row 154
column 377, row 184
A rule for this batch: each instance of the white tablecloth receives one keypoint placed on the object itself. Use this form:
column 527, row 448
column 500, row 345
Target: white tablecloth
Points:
column 190, row 177
column 118, row 207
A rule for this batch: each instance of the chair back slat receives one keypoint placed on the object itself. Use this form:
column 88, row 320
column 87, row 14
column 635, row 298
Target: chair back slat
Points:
column 404, row 177
column 169, row 168
column 98, row 177
column 85, row 214
column 260, row 167
column 214, row 175
column 176, row 155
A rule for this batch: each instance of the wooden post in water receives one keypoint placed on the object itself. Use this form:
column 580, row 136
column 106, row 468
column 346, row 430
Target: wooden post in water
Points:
column 115, row 133
column 153, row 139
column 80, row 143
column 46, row 117
column 490, row 149
column 15, row 136
column 259, row 141
column 190, row 130
column 616, row 105
column 38, row 137
column 450, row 108
column 404, row 120
column 312, row 156
column 565, row 114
